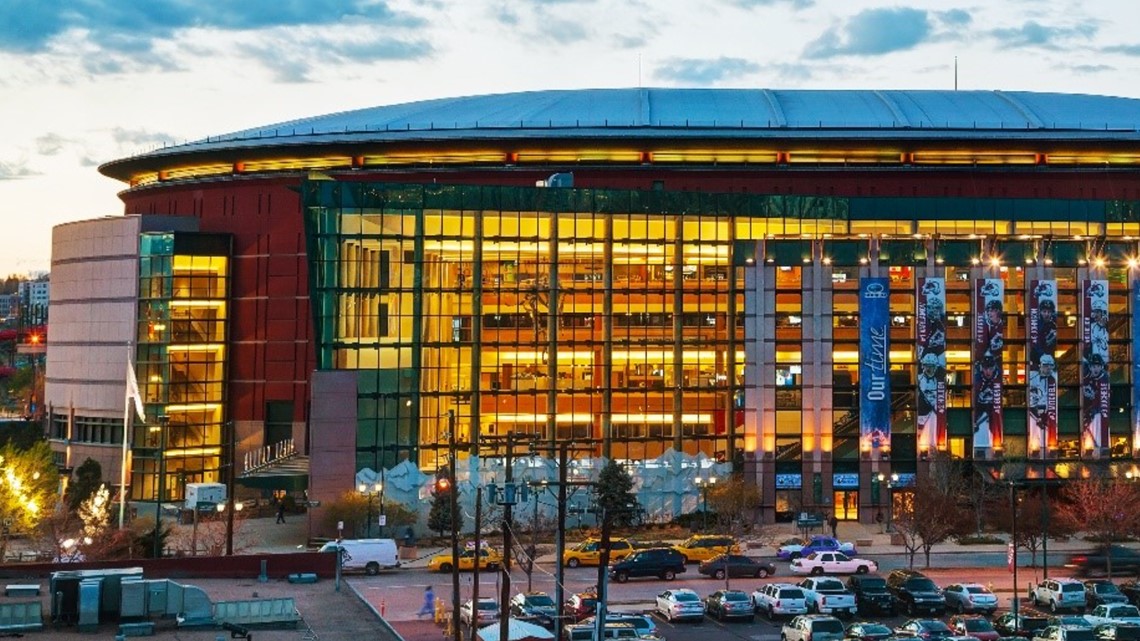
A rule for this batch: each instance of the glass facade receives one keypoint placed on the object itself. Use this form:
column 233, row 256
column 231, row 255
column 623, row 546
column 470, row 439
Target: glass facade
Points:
column 180, row 362
column 722, row 324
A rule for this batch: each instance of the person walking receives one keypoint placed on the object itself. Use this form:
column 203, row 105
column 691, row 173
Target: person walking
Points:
column 281, row 511
column 834, row 523
column 429, row 603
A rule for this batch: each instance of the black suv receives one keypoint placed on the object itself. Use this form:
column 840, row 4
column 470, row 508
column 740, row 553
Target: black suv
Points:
column 664, row 563
column 915, row 593
column 871, row 594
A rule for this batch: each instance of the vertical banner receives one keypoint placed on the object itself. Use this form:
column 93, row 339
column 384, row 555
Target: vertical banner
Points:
column 1135, row 445
column 874, row 364
column 931, row 342
column 1042, row 366
column 989, row 343
column 1094, row 364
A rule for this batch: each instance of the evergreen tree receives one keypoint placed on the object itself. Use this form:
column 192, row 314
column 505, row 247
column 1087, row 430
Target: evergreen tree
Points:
column 440, row 517
column 615, row 495
column 88, row 478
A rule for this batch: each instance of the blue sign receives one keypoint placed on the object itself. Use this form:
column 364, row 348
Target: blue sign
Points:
column 845, row 481
column 789, row 481
column 874, row 363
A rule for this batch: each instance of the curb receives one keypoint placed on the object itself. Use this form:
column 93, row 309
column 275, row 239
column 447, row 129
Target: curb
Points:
column 372, row 608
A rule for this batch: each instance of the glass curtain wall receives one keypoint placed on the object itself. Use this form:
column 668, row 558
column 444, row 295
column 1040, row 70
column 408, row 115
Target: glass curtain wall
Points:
column 181, row 362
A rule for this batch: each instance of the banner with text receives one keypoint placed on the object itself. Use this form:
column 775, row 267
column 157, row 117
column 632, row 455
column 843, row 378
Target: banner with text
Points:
column 1042, row 366
column 874, row 363
column 931, row 342
column 1135, row 291
column 1094, row 364
column 989, row 345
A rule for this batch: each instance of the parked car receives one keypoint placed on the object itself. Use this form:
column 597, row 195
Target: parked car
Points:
column 588, row 552
column 828, row 595
column 970, row 597
column 926, row 629
column 369, row 555
column 643, row 623
column 489, row 559
column 817, row 543
column 1069, row 621
column 610, row 632
column 871, row 594
column 1101, row 591
column 678, row 604
column 780, row 599
column 1131, row 591
column 832, row 563
column 488, row 612
column 664, row 563
column 1117, row 632
column 1058, row 594
column 1064, row 633
column 702, row 547
column 867, row 631
column 812, row 627
column 974, row 626
column 736, row 565
column 729, row 604
column 914, row 592
column 1125, row 561
column 537, row 606
column 1019, row 625
column 1114, row 613
column 580, row 606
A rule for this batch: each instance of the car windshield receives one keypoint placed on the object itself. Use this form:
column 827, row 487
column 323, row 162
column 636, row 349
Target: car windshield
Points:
column 977, row 589
column 735, row 596
column 641, row 623
column 827, row 625
column 488, row 605
column 829, row 584
column 540, row 600
column 875, row 628
column 1105, row 588
column 1072, row 587
column 685, row 597
column 978, row 625
column 1127, row 632
column 585, row 546
column 873, row 584
column 691, row 543
column 921, row 585
column 1125, row 611
column 791, row 593
column 1079, row 634
column 934, row 625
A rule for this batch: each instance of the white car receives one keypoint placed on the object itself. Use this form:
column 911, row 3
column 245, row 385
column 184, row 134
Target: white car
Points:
column 779, row 599
column 1114, row 613
column 488, row 611
column 681, row 603
column 832, row 563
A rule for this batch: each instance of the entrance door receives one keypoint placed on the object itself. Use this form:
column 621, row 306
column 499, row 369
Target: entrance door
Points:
column 847, row 505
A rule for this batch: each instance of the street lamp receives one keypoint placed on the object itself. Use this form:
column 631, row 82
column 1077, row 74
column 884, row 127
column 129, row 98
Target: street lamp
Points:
column 368, row 492
column 704, row 484
column 163, row 421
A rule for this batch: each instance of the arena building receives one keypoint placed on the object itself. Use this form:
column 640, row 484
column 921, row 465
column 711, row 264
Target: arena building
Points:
column 823, row 289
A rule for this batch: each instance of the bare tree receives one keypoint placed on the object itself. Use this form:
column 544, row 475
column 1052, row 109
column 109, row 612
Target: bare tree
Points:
column 1033, row 519
column 1106, row 510
column 736, row 503
column 930, row 514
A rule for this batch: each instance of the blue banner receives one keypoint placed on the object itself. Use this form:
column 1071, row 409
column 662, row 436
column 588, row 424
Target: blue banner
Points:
column 874, row 364
column 1135, row 445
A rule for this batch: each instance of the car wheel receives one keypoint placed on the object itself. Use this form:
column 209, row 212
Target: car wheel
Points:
column 816, row 571
column 684, row 559
column 1053, row 606
column 573, row 563
column 771, row 614
column 762, row 573
column 669, row 575
column 372, row 569
column 444, row 568
column 719, row 574
column 862, row 569
column 621, row 577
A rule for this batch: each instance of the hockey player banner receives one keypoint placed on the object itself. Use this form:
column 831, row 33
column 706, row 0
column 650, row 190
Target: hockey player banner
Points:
column 1094, row 365
column 874, row 363
column 1042, row 366
column 989, row 344
column 1135, row 365
column 931, row 343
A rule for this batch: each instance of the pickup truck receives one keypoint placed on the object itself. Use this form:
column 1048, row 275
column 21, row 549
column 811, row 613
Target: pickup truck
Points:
column 1114, row 613
column 827, row 595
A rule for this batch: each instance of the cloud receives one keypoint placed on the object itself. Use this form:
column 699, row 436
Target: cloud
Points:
column 873, row 32
column 563, row 32
column 1035, row 34
column 1092, row 68
column 133, row 26
column 15, row 170
column 1128, row 50
column 50, row 144
column 139, row 137
column 752, row 4
column 955, row 17
column 696, row 71
column 294, row 63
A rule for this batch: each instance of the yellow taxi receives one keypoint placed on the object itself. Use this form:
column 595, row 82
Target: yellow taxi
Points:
column 589, row 552
column 488, row 560
column 703, row 547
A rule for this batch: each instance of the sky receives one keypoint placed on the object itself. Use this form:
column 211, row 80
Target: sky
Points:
column 84, row 82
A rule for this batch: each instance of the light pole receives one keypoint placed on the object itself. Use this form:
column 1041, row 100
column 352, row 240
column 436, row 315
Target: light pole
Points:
column 229, row 514
column 704, row 484
column 369, row 491
column 163, row 421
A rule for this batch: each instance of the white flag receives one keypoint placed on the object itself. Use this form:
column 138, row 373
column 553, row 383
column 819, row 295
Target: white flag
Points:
column 133, row 391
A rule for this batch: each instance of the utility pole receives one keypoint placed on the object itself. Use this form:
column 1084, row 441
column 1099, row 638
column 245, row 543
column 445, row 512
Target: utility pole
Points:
column 454, row 488
column 510, row 497
column 478, row 555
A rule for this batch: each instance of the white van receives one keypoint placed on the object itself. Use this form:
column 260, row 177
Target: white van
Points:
column 370, row 555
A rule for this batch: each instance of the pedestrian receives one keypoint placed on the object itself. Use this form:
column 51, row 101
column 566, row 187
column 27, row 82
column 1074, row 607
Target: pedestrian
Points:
column 834, row 523
column 879, row 520
column 429, row 603
column 280, row 511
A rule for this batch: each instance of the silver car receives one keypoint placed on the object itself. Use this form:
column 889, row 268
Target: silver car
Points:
column 970, row 597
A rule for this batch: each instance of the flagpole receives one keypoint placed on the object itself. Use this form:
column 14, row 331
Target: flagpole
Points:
column 127, row 426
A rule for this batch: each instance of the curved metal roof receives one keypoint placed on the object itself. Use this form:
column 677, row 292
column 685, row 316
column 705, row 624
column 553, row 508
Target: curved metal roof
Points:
column 704, row 113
